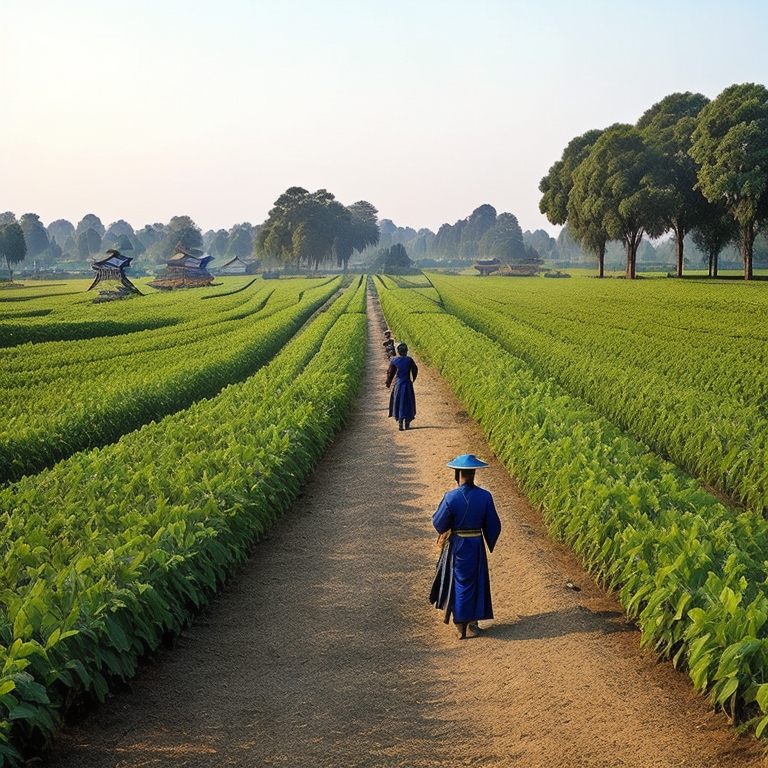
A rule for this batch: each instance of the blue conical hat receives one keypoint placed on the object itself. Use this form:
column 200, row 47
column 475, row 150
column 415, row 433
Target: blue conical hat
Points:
column 466, row 461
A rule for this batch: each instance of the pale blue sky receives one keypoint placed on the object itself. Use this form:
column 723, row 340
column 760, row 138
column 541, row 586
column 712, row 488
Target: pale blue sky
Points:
column 146, row 109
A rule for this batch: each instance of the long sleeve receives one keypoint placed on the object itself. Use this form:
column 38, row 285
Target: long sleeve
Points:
column 442, row 519
column 491, row 524
column 391, row 373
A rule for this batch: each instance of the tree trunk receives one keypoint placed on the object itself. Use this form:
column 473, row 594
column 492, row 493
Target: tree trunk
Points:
column 632, row 243
column 679, row 237
column 747, row 245
column 601, row 260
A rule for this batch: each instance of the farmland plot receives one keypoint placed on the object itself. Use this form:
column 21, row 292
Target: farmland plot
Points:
column 65, row 396
column 689, row 569
column 110, row 549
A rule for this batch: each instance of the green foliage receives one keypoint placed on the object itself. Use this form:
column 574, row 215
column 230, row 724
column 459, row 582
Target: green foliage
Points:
column 664, row 365
column 108, row 551
column 730, row 144
column 62, row 397
column 13, row 247
column 310, row 228
column 692, row 572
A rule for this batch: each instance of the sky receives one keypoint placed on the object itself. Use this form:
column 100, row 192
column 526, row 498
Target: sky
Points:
column 147, row 109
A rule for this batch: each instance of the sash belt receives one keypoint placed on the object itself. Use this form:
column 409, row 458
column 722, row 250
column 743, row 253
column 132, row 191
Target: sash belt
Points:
column 468, row 533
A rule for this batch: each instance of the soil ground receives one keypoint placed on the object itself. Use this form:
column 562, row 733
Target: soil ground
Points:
column 324, row 650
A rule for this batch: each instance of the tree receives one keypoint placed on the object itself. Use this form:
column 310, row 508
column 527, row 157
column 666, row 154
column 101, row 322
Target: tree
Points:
column 13, row 246
column 503, row 241
column 90, row 221
column 182, row 234
column 617, row 193
column 715, row 232
column 88, row 243
column 304, row 226
column 35, row 234
column 240, row 242
column 668, row 127
column 584, row 212
column 392, row 260
column 217, row 245
column 357, row 232
column 730, row 144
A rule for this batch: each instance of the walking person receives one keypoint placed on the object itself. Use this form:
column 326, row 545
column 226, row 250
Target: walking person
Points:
column 388, row 344
column 402, row 399
column 467, row 519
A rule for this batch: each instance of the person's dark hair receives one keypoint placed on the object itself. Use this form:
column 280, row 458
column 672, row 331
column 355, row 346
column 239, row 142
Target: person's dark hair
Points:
column 469, row 474
column 402, row 348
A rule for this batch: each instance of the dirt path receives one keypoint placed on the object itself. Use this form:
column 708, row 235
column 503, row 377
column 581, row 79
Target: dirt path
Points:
column 325, row 651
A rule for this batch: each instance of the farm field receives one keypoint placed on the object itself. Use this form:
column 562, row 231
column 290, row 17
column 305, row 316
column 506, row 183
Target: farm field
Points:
column 73, row 393
column 150, row 526
column 349, row 666
column 110, row 550
column 541, row 378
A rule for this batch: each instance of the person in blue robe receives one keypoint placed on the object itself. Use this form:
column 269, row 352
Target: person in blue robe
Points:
column 467, row 517
column 402, row 399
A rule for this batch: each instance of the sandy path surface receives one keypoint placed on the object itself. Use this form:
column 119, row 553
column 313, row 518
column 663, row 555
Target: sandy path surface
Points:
column 324, row 651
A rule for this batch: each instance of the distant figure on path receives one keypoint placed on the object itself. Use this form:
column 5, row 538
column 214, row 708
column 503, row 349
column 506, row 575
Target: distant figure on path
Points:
column 389, row 344
column 467, row 517
column 402, row 399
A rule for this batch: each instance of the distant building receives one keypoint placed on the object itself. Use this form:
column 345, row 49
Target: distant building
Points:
column 238, row 266
column 110, row 274
column 487, row 266
column 185, row 269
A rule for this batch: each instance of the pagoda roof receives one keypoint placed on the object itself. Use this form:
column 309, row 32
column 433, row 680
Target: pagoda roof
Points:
column 114, row 259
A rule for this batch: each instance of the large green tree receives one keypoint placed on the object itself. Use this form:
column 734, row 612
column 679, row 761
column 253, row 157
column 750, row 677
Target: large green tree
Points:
column 357, row 232
column 583, row 214
column 730, row 144
column 618, row 190
column 306, row 227
column 35, row 234
column 13, row 246
column 668, row 127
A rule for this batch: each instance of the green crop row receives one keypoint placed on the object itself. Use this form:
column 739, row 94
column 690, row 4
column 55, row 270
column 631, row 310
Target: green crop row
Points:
column 712, row 422
column 69, row 312
column 691, row 572
column 64, row 397
column 111, row 549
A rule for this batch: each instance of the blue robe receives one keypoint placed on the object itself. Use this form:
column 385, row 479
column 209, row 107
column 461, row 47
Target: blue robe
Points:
column 402, row 399
column 462, row 584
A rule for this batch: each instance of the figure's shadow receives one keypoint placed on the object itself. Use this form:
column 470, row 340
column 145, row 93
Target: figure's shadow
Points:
column 578, row 619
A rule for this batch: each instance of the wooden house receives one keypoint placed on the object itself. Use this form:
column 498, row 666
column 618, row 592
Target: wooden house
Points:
column 238, row 266
column 185, row 269
column 110, row 275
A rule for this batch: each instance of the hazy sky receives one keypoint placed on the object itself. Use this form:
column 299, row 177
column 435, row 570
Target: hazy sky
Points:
column 146, row 109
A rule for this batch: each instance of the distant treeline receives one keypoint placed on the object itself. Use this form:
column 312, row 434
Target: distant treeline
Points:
column 66, row 247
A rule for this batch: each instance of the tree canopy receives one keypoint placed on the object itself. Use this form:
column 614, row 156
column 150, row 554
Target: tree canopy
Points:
column 730, row 144
column 35, row 234
column 13, row 246
column 687, row 165
column 312, row 227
